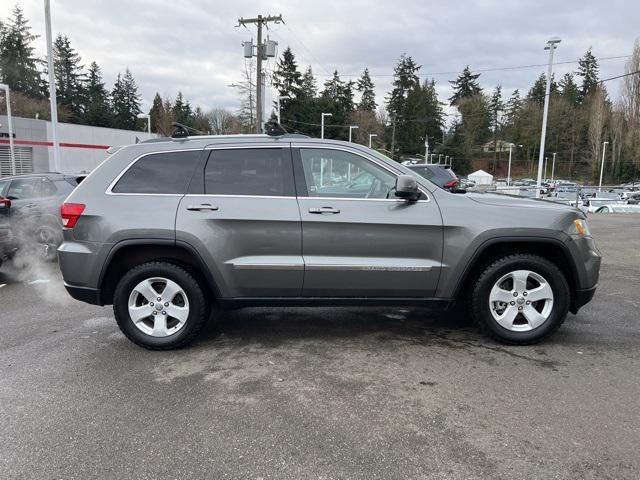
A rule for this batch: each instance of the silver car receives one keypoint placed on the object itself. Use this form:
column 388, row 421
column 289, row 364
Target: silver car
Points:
column 166, row 230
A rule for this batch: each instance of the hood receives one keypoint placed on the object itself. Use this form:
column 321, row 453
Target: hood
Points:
column 504, row 200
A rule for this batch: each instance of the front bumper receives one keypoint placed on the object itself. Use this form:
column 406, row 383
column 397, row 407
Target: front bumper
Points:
column 580, row 298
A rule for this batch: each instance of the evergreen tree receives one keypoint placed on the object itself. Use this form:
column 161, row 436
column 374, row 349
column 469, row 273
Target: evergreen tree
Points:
column 405, row 78
column 333, row 87
column 466, row 85
column 286, row 77
column 97, row 111
column 496, row 108
column 345, row 98
column 512, row 108
column 367, row 94
column 308, row 84
column 157, row 114
column 539, row 88
column 588, row 70
column 67, row 71
column 18, row 64
column 182, row 110
column 569, row 89
column 125, row 102
column 423, row 116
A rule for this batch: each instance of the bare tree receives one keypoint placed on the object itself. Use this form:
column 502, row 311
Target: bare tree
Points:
column 630, row 102
column 221, row 121
column 597, row 119
column 247, row 90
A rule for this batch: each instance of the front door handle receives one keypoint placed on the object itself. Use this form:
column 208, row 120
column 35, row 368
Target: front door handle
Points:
column 322, row 210
column 201, row 207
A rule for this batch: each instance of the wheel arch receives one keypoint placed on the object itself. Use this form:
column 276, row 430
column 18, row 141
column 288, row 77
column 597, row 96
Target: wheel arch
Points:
column 129, row 253
column 550, row 248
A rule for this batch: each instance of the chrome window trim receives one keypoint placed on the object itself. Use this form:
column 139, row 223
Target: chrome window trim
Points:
column 223, row 195
column 353, row 151
column 110, row 191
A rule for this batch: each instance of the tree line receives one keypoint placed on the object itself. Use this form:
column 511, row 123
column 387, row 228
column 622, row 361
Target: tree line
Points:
column 581, row 115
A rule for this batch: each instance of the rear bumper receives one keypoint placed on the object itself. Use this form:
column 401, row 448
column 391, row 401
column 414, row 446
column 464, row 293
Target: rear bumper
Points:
column 580, row 298
column 84, row 294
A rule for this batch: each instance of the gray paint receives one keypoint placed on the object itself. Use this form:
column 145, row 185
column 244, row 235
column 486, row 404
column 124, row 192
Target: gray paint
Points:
column 274, row 247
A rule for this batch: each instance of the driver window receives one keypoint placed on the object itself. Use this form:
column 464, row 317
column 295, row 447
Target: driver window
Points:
column 335, row 173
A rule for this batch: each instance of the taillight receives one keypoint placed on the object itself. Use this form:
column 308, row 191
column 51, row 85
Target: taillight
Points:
column 451, row 184
column 70, row 213
column 5, row 202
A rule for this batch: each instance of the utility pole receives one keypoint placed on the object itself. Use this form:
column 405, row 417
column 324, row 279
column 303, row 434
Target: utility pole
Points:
column 263, row 51
column 52, row 88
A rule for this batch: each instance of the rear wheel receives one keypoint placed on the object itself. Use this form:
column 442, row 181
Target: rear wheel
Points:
column 520, row 299
column 160, row 306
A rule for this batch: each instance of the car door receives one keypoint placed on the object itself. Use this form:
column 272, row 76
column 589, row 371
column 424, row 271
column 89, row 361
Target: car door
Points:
column 242, row 216
column 372, row 245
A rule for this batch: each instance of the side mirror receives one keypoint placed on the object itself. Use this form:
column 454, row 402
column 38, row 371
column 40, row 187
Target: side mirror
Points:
column 407, row 188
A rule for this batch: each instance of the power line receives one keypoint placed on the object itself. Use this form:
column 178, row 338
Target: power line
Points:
column 620, row 76
column 483, row 70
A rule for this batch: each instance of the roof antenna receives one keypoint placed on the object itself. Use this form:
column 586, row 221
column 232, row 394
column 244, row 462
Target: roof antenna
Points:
column 183, row 131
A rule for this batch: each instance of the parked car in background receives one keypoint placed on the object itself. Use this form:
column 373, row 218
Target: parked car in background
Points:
column 165, row 230
column 7, row 243
column 442, row 175
column 32, row 209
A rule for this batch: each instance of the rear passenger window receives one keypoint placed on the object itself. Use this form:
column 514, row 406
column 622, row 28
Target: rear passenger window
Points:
column 250, row 171
column 159, row 173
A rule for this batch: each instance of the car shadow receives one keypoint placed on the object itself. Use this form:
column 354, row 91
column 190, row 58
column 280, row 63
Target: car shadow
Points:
column 276, row 326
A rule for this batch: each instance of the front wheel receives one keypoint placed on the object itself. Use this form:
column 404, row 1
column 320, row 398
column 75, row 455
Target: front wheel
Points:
column 159, row 306
column 520, row 299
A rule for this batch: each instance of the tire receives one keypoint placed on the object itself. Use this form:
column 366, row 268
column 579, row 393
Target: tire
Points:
column 543, row 279
column 166, row 327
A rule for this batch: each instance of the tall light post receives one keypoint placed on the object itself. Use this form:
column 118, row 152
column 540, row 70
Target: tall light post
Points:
column 431, row 160
column 371, row 135
column 546, row 162
column 351, row 127
column 278, row 98
column 604, row 149
column 52, row 88
column 509, row 168
column 446, row 159
column 439, row 155
column 426, row 148
column 553, row 166
column 148, row 117
column 322, row 123
column 552, row 44
column 10, row 126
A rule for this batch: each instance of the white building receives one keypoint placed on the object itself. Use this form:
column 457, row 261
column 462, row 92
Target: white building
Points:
column 481, row 177
column 82, row 147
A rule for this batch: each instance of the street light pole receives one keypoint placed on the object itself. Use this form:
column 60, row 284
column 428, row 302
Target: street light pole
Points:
column 604, row 149
column 10, row 126
column 546, row 162
column 553, row 166
column 439, row 155
column 371, row 135
column 351, row 127
column 551, row 46
column 322, row 123
column 426, row 151
column 278, row 98
column 52, row 88
column 509, row 168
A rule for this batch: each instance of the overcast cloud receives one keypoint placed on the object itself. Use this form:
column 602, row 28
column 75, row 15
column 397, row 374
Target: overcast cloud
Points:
column 194, row 47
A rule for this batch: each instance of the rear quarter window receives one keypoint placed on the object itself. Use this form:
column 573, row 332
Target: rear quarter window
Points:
column 159, row 173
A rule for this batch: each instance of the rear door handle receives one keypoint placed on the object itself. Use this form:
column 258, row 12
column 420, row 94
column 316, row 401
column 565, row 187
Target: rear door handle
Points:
column 322, row 210
column 202, row 207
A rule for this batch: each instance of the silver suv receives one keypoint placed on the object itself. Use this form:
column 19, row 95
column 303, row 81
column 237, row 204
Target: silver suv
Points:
column 167, row 229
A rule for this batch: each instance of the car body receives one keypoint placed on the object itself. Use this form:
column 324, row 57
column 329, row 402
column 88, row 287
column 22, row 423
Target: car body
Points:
column 441, row 175
column 243, row 220
column 33, row 208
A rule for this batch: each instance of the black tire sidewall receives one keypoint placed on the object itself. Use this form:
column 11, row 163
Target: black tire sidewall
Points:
column 494, row 272
column 197, row 307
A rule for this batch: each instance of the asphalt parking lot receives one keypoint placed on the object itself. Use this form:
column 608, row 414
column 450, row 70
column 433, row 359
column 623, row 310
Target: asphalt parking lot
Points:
column 334, row 393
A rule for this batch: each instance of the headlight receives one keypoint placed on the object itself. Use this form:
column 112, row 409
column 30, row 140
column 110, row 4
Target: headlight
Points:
column 580, row 227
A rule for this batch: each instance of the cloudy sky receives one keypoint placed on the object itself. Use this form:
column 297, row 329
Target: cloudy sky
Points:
column 195, row 47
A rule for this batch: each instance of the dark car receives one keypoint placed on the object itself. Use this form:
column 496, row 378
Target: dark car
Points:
column 7, row 243
column 30, row 209
column 442, row 175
